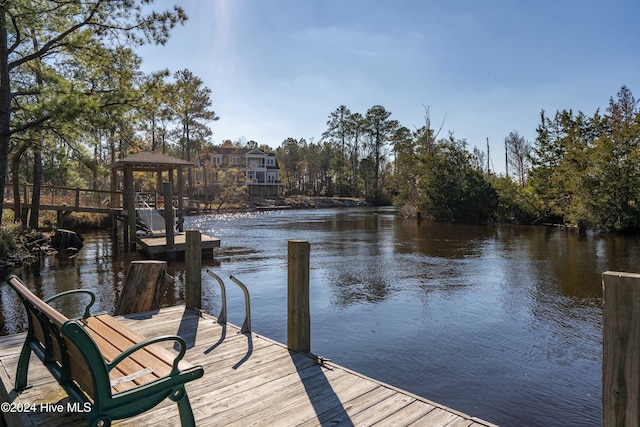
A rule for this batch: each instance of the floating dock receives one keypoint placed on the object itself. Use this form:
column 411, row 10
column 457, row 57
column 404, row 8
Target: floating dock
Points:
column 248, row 380
column 156, row 242
column 158, row 245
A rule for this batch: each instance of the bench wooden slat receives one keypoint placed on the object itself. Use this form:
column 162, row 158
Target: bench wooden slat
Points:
column 156, row 350
column 125, row 368
column 80, row 372
column 129, row 365
column 115, row 343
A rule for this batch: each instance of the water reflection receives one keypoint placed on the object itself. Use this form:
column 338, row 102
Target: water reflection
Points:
column 502, row 322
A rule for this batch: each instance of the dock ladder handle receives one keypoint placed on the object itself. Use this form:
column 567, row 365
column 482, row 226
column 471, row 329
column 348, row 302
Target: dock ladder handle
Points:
column 222, row 318
column 246, row 326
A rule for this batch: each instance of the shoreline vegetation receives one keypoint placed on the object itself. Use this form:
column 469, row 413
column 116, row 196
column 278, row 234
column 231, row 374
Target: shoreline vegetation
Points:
column 22, row 246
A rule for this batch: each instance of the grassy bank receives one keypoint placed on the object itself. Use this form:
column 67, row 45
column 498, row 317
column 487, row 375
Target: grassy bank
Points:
column 22, row 245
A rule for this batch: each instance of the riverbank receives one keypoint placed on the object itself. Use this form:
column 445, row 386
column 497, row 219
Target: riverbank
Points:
column 307, row 202
column 19, row 248
column 290, row 202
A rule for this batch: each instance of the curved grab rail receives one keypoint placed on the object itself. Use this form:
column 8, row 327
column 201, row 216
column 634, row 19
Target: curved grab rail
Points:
column 246, row 326
column 222, row 317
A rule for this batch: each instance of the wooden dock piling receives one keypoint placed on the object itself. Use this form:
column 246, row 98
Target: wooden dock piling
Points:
column 298, row 315
column 193, row 267
column 621, row 349
column 130, row 206
column 143, row 288
column 169, row 219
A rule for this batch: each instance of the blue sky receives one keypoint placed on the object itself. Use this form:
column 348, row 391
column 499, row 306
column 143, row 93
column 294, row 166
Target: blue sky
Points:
column 278, row 68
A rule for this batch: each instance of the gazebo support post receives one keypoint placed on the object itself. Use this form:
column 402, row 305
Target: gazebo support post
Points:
column 131, row 208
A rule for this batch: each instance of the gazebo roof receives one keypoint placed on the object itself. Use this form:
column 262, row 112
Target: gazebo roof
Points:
column 149, row 161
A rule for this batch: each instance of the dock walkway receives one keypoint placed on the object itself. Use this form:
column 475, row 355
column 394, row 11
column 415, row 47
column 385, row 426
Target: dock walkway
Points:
column 249, row 380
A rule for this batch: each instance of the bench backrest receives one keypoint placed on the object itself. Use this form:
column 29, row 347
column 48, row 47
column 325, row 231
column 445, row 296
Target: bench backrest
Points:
column 50, row 330
column 45, row 322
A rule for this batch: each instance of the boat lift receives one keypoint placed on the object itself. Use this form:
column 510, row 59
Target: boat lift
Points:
column 151, row 217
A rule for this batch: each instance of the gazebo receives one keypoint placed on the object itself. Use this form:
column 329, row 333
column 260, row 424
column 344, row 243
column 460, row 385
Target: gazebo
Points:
column 147, row 161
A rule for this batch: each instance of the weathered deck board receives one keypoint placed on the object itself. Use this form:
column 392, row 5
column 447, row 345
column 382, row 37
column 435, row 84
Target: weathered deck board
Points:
column 414, row 411
column 248, row 381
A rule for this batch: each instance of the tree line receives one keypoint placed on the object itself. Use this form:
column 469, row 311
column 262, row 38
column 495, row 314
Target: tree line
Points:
column 73, row 98
column 580, row 170
column 351, row 158
column 586, row 169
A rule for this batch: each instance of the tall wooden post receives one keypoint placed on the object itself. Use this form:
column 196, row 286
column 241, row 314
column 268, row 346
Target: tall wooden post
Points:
column 158, row 189
column 131, row 208
column 298, row 314
column 193, row 266
column 621, row 349
column 181, row 186
column 169, row 220
column 113, row 204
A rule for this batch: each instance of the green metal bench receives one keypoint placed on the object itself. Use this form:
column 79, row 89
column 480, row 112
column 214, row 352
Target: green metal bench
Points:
column 101, row 363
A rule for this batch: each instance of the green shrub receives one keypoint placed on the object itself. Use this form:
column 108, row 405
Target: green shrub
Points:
column 9, row 238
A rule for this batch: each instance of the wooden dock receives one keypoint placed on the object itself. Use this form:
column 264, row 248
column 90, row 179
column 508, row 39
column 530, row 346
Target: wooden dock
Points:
column 158, row 245
column 249, row 380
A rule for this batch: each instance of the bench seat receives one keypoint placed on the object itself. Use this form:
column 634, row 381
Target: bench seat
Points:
column 102, row 363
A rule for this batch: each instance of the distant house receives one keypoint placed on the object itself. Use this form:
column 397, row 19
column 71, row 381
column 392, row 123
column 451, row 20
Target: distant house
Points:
column 259, row 169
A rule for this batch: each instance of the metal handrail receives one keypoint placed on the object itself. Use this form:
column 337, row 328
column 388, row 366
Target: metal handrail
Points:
column 246, row 326
column 222, row 317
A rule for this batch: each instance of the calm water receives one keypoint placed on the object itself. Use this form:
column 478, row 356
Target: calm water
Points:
column 500, row 322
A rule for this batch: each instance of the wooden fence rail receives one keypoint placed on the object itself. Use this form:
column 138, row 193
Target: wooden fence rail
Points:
column 67, row 197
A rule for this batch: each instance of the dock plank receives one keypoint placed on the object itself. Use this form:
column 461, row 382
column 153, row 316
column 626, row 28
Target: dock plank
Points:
column 394, row 403
column 203, row 395
column 256, row 396
column 461, row 422
column 249, row 380
column 411, row 413
column 437, row 417
column 11, row 344
column 303, row 408
column 350, row 407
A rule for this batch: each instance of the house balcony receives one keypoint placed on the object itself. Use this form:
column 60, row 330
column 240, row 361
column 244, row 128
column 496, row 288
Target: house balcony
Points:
column 262, row 182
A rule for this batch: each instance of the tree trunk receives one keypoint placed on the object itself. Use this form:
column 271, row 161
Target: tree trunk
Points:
column 37, row 188
column 188, row 157
column 144, row 286
column 15, row 173
column 377, row 167
column 5, row 105
column 154, row 143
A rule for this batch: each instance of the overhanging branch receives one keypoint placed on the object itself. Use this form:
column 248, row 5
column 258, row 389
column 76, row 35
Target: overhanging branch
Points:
column 29, row 125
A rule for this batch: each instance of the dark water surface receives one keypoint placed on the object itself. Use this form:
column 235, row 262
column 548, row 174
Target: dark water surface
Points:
column 500, row 322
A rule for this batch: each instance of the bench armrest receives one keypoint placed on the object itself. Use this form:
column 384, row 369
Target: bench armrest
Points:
column 174, row 370
column 76, row 291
